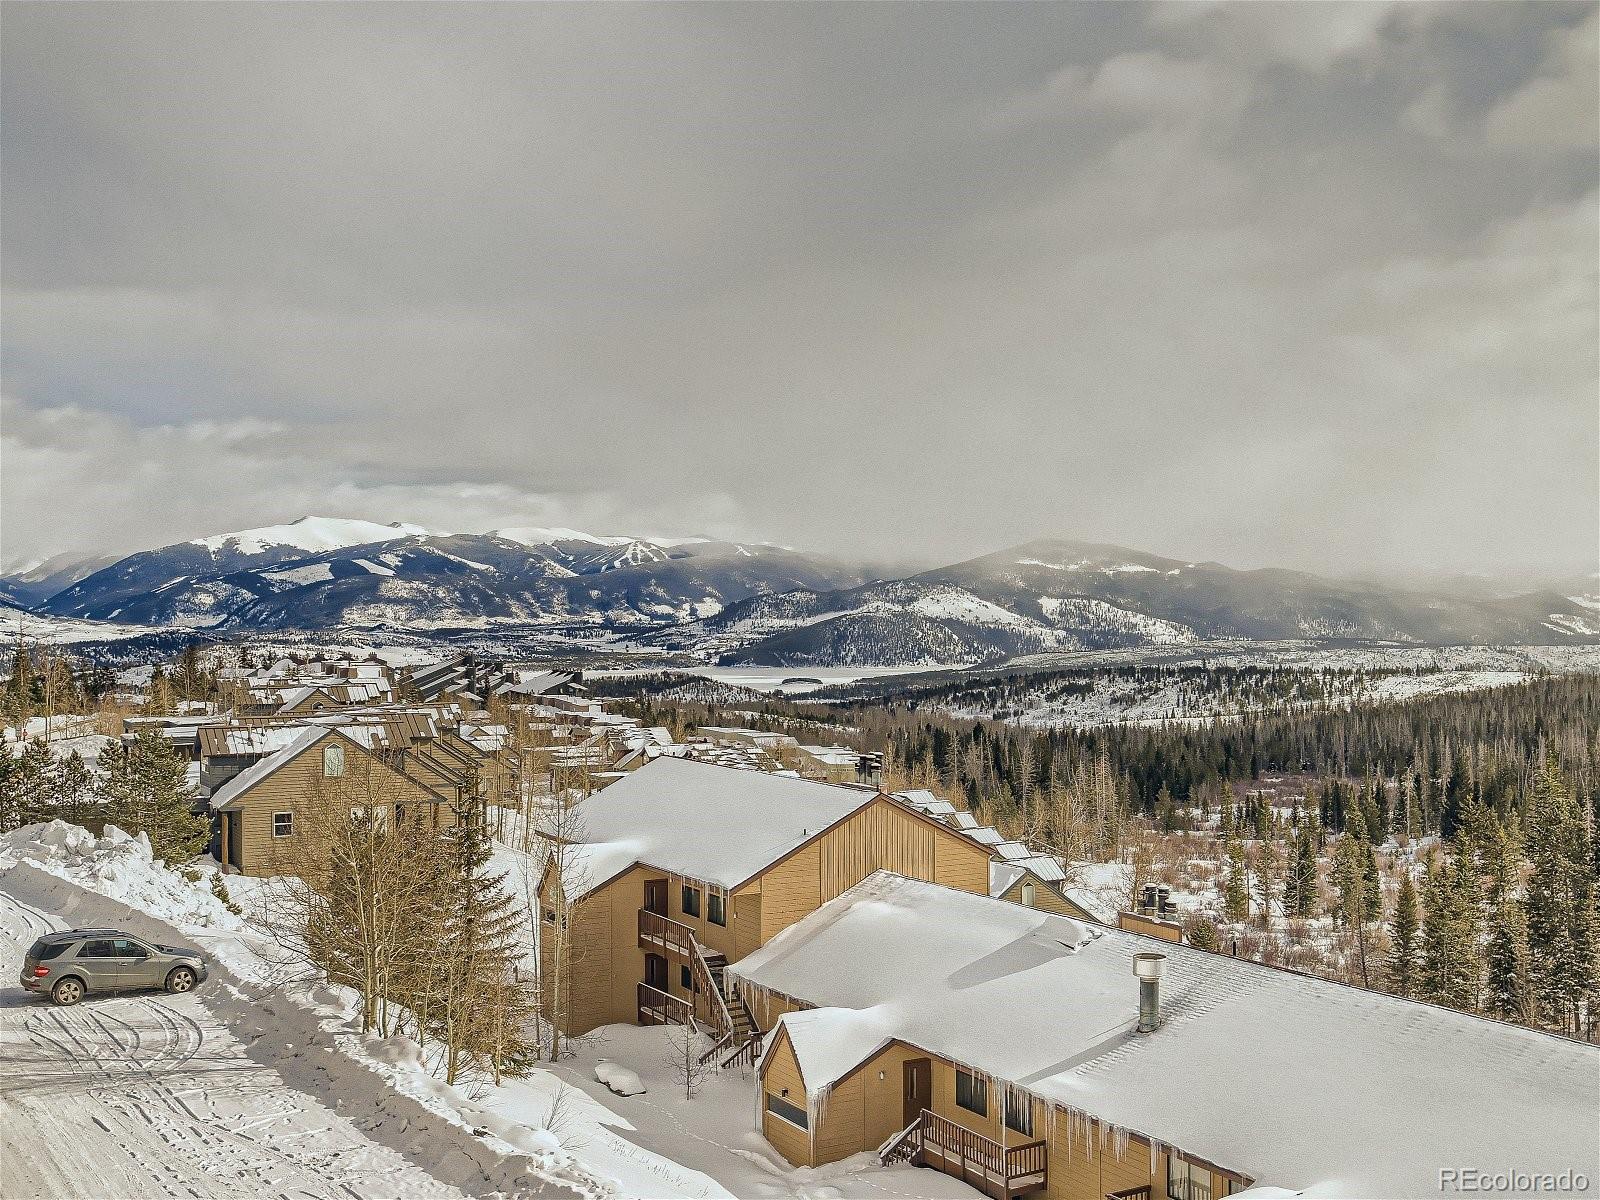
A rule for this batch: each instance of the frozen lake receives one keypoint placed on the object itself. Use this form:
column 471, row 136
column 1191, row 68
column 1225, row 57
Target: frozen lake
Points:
column 791, row 681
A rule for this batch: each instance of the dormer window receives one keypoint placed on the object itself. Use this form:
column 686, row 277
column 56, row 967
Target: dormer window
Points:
column 332, row 762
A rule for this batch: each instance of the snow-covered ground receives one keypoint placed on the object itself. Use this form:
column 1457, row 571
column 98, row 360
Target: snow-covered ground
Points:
column 254, row 1085
column 61, row 631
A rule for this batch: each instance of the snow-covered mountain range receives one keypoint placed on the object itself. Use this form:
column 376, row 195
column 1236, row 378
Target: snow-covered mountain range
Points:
column 1064, row 595
column 323, row 573
column 759, row 603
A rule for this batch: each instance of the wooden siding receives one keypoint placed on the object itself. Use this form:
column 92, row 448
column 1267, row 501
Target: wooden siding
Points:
column 882, row 835
column 1046, row 899
column 781, row 1071
column 1134, row 923
column 297, row 785
column 790, row 890
column 863, row 1111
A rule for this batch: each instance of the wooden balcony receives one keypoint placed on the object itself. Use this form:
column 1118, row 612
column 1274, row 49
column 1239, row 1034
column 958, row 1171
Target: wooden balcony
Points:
column 661, row 1008
column 1133, row 1193
column 995, row 1170
column 663, row 933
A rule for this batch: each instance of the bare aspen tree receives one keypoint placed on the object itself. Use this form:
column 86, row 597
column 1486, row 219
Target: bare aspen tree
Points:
column 564, row 879
column 683, row 1058
column 357, row 893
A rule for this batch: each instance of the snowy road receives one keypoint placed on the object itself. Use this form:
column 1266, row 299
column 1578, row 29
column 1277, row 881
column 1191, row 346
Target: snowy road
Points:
column 151, row 1095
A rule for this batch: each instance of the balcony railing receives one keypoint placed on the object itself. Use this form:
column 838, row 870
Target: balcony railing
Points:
column 983, row 1163
column 664, row 932
column 1134, row 1193
column 662, row 1008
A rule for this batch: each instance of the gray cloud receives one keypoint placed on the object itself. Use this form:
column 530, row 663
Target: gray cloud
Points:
column 1308, row 285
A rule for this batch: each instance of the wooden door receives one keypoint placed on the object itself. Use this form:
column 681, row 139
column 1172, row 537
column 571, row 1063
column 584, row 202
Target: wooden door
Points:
column 235, row 838
column 655, row 971
column 918, row 1089
column 655, row 896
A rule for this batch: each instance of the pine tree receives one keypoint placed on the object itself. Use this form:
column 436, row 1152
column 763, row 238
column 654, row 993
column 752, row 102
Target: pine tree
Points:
column 73, row 789
column 1166, row 810
column 483, row 1015
column 1305, row 872
column 1561, row 917
column 1403, row 949
column 1506, row 962
column 18, row 699
column 1358, row 894
column 29, row 786
column 158, row 698
column 1266, row 889
column 1235, row 893
column 147, row 791
column 1450, row 950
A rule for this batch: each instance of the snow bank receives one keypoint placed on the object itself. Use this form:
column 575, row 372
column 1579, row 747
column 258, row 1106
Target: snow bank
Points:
column 119, row 867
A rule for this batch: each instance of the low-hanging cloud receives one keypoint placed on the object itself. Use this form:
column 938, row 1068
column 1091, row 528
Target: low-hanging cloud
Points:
column 1310, row 286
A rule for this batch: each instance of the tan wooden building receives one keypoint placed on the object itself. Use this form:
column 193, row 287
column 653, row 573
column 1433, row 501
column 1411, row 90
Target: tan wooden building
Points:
column 1009, row 1047
column 264, row 811
column 684, row 867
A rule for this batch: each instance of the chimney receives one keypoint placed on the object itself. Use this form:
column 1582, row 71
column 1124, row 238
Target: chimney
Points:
column 1149, row 967
column 1164, row 906
column 1147, row 903
column 869, row 770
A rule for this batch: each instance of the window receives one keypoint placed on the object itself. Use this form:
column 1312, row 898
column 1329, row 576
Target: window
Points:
column 95, row 949
column 716, row 908
column 1185, row 1181
column 43, row 951
column 1027, row 895
column 972, row 1093
column 127, row 949
column 783, row 1110
column 549, row 915
column 691, row 901
column 332, row 761
column 283, row 824
column 686, row 979
column 1019, row 1113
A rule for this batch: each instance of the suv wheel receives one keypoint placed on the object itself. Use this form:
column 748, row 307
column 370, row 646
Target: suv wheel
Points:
column 180, row 980
column 67, row 992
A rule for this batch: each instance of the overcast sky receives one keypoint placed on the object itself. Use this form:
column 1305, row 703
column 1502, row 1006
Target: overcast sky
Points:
column 1310, row 285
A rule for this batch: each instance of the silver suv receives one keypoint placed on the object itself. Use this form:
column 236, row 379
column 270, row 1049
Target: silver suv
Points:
column 67, row 965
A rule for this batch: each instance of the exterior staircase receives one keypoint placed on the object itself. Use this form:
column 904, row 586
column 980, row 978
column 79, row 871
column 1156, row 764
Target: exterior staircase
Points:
column 741, row 1034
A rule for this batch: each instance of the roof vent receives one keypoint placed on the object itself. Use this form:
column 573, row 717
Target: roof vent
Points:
column 1149, row 967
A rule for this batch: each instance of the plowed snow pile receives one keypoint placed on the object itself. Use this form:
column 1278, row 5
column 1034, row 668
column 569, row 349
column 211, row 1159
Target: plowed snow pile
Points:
column 119, row 867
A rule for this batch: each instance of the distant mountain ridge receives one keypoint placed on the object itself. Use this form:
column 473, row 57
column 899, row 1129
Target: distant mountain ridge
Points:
column 1065, row 595
column 758, row 603
column 319, row 572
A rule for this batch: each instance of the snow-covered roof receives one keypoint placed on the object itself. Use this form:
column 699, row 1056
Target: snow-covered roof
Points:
column 249, row 739
column 713, row 823
column 535, row 684
column 1295, row 1081
column 835, row 756
column 589, row 864
column 1045, row 866
column 1002, row 875
column 247, row 779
